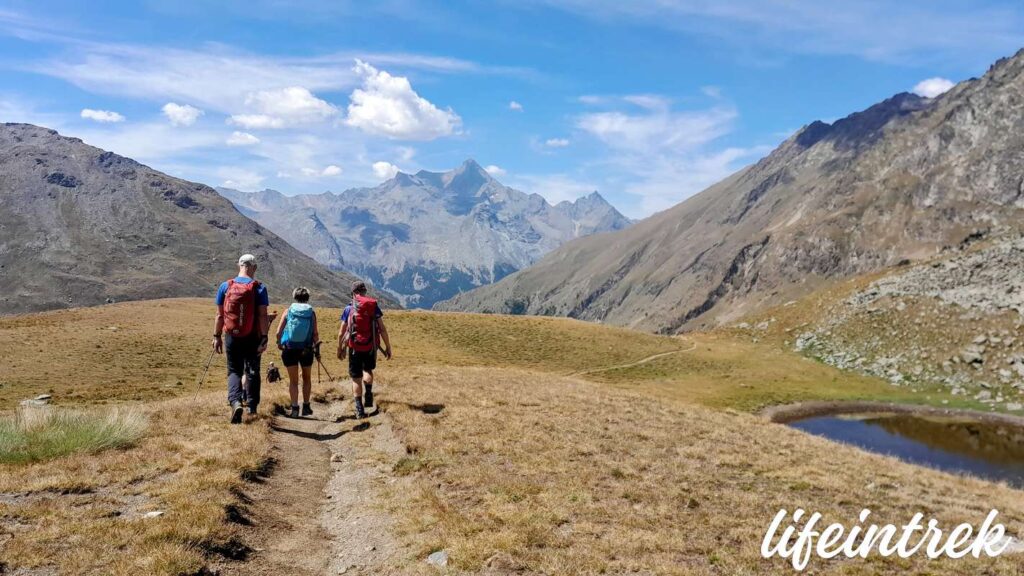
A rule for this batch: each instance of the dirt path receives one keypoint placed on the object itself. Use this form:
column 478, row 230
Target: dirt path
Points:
column 693, row 345
column 319, row 509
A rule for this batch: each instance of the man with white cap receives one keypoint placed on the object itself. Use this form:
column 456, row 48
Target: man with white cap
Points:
column 241, row 331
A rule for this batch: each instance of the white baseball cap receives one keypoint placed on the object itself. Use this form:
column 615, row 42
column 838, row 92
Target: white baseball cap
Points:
column 247, row 259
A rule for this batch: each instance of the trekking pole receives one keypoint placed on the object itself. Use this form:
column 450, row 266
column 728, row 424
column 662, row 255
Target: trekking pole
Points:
column 203, row 377
column 320, row 363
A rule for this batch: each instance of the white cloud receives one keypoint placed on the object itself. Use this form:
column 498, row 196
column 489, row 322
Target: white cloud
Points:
column 496, row 171
column 513, row 105
column 181, row 114
column 101, row 115
column 387, row 105
column 242, row 139
column 933, row 87
column 256, row 121
column 384, row 170
column 406, row 153
column 663, row 156
column 648, row 101
column 556, row 142
column 289, row 106
column 658, row 131
column 328, row 172
column 240, row 178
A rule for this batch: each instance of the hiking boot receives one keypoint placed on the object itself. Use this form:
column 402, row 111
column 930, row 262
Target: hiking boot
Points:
column 295, row 412
column 307, row 410
column 236, row 412
column 368, row 395
column 360, row 413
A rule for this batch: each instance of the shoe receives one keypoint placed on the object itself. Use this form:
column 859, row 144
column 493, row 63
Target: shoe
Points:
column 252, row 410
column 236, row 412
column 368, row 395
column 307, row 410
column 360, row 413
column 294, row 413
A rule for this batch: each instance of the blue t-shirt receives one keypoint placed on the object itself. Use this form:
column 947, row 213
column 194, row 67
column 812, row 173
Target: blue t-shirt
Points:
column 262, row 298
column 348, row 310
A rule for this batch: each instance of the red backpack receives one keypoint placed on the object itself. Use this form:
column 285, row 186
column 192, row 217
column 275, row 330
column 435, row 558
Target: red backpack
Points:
column 240, row 307
column 362, row 324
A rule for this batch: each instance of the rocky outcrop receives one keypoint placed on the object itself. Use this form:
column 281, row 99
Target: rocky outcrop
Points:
column 952, row 325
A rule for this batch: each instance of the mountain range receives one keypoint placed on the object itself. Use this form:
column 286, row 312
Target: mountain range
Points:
column 428, row 236
column 901, row 181
column 81, row 226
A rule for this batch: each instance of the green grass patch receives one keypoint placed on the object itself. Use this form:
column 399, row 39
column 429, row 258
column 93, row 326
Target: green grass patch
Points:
column 34, row 434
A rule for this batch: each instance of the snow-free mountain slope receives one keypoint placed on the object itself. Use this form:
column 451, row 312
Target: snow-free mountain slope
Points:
column 899, row 181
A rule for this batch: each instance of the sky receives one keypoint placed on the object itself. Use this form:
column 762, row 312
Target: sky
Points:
column 646, row 101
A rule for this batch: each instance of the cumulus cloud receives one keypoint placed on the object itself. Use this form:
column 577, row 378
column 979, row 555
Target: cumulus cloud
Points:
column 101, row 115
column 242, row 139
column 387, row 105
column 384, row 170
column 556, row 142
column 181, row 114
column 286, row 107
column 933, row 87
column 513, row 105
column 496, row 171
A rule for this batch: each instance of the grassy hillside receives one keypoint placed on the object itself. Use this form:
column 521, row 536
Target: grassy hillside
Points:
column 141, row 351
column 561, row 447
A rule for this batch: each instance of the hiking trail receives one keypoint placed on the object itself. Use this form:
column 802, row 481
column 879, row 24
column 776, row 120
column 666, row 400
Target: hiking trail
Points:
column 320, row 509
column 693, row 346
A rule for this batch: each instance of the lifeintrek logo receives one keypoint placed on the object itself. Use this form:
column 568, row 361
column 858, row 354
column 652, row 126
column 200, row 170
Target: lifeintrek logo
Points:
column 803, row 537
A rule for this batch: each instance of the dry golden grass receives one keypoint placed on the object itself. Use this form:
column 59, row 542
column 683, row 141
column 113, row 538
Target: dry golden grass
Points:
column 562, row 476
column 85, row 513
column 626, row 472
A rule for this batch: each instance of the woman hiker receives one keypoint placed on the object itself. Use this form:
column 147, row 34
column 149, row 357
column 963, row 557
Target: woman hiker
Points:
column 297, row 336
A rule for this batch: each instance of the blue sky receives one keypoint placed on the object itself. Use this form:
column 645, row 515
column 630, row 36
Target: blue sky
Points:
column 647, row 101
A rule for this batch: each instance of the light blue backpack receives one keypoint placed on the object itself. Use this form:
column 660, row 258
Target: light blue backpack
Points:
column 298, row 328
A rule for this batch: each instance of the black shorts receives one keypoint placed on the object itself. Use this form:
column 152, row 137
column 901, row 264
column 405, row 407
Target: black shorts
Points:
column 293, row 356
column 359, row 362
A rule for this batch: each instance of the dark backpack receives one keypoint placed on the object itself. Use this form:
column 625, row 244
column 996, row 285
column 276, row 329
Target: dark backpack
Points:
column 362, row 324
column 240, row 307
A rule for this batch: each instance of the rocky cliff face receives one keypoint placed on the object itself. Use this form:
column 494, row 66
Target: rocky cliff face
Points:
column 900, row 181
column 80, row 226
column 429, row 236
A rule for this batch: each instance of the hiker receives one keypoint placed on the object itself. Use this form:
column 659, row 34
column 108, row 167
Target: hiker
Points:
column 271, row 316
column 297, row 336
column 362, row 329
column 241, row 331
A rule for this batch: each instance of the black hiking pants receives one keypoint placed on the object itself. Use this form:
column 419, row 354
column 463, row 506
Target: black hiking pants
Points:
column 241, row 352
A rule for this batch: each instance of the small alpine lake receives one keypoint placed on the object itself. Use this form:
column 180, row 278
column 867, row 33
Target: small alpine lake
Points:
column 989, row 450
